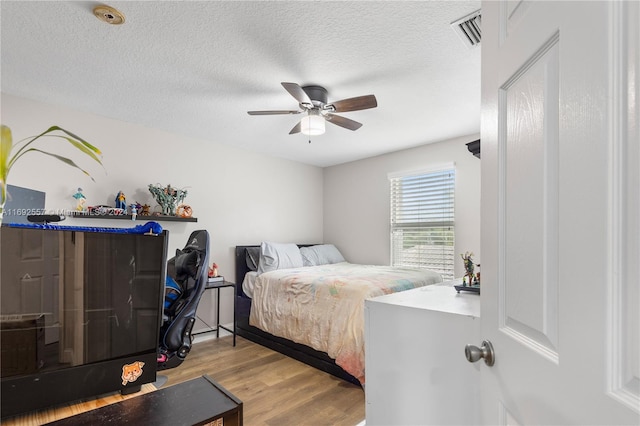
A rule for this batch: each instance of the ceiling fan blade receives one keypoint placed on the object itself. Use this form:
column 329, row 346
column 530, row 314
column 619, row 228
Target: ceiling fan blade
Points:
column 355, row 104
column 347, row 123
column 274, row 112
column 296, row 91
column 296, row 128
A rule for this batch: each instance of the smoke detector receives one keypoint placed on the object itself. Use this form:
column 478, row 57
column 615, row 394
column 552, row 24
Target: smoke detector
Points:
column 469, row 28
column 109, row 15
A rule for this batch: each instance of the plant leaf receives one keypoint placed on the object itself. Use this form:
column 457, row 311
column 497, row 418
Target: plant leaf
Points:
column 7, row 160
column 78, row 138
column 82, row 147
column 59, row 157
column 6, row 144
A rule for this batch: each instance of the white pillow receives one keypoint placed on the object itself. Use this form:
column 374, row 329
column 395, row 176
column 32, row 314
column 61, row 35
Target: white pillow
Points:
column 278, row 256
column 321, row 255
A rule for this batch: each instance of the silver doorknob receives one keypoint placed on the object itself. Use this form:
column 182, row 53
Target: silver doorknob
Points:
column 474, row 353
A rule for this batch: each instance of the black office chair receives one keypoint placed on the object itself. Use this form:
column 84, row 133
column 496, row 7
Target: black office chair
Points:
column 188, row 269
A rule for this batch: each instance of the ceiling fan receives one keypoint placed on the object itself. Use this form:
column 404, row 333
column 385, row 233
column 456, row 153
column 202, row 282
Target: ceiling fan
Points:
column 313, row 102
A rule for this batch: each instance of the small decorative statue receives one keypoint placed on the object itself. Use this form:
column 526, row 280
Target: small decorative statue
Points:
column 467, row 258
column 168, row 197
column 121, row 201
column 137, row 207
column 80, row 200
column 184, row 210
column 213, row 270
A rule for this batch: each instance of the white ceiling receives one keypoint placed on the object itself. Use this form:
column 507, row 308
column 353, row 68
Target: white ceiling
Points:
column 195, row 67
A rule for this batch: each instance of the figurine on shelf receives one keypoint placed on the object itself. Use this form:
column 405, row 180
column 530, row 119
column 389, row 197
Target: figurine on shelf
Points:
column 137, row 207
column 145, row 210
column 184, row 210
column 470, row 281
column 80, row 200
column 469, row 277
column 121, row 201
column 167, row 197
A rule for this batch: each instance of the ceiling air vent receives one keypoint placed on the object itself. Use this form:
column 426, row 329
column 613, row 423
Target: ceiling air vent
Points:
column 469, row 29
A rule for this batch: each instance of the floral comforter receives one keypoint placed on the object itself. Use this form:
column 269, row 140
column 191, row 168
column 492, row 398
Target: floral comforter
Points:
column 323, row 306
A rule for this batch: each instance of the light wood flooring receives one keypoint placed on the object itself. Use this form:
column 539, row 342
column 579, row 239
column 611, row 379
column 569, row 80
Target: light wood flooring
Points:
column 274, row 389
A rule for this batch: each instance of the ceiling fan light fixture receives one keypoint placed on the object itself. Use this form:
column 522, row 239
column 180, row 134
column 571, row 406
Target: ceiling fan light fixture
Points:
column 313, row 124
column 312, row 100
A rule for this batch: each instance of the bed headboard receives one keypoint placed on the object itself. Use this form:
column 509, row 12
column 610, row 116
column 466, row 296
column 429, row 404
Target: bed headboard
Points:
column 242, row 268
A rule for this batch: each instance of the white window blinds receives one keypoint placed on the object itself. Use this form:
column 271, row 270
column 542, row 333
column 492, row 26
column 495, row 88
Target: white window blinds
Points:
column 422, row 220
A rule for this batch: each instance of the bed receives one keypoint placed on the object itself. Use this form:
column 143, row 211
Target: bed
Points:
column 307, row 302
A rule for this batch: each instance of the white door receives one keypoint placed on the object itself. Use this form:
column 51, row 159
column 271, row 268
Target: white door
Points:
column 560, row 212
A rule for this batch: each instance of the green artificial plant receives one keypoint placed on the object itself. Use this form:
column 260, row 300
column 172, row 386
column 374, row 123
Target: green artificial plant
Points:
column 10, row 153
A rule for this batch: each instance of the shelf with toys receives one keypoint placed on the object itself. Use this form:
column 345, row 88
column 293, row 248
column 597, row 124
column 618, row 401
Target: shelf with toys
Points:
column 169, row 199
column 86, row 215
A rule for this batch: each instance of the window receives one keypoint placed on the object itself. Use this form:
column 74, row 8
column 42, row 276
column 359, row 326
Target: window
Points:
column 422, row 220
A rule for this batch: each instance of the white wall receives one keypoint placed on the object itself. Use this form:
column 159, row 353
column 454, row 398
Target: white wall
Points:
column 240, row 197
column 356, row 200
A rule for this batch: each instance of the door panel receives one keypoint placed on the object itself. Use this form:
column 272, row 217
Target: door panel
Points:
column 560, row 214
column 528, row 108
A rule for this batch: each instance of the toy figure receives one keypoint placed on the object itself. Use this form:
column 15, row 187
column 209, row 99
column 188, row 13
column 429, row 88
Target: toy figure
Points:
column 80, row 200
column 213, row 270
column 135, row 206
column 121, row 202
column 168, row 198
column 184, row 210
column 469, row 267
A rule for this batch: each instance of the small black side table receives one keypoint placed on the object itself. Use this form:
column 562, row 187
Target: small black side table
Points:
column 217, row 286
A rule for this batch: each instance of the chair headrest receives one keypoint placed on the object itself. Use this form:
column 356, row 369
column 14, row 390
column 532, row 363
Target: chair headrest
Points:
column 199, row 240
column 186, row 264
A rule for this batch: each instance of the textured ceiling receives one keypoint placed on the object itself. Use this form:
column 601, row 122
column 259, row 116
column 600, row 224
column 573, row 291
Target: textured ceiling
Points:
column 195, row 67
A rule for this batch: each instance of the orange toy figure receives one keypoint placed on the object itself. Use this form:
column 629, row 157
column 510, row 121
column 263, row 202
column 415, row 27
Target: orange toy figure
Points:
column 184, row 210
column 213, row 270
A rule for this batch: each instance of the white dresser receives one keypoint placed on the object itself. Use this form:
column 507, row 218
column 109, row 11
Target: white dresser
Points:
column 416, row 370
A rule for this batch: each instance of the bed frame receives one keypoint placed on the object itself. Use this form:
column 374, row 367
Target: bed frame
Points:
column 303, row 353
